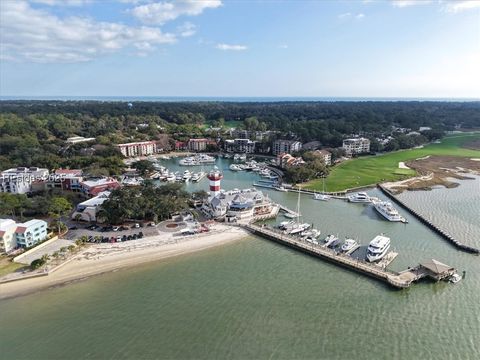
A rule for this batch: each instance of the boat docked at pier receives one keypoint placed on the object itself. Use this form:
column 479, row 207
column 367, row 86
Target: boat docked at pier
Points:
column 348, row 245
column 360, row 197
column 235, row 167
column 378, row 248
column 198, row 176
column 196, row 160
column 329, row 240
column 187, row 175
column 387, row 210
column 321, row 197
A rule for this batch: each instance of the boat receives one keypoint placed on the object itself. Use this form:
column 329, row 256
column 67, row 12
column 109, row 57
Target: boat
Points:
column 322, row 197
column 178, row 176
column 285, row 224
column 455, row 278
column 290, row 215
column 189, row 161
column 265, row 173
column 378, row 248
column 198, row 176
column 280, row 188
column 334, row 243
column 170, row 177
column 297, row 228
column 240, row 157
column 329, row 239
column 349, row 244
column 235, row 167
column 387, row 210
column 312, row 234
column 360, row 197
column 187, row 175
column 164, row 157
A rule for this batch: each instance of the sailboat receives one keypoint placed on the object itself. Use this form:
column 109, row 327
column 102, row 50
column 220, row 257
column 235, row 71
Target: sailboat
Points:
column 296, row 227
column 322, row 196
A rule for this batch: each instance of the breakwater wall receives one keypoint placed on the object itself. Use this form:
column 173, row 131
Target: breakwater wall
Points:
column 429, row 224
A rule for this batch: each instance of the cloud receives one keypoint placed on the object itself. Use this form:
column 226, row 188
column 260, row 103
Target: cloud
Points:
column 346, row 16
column 39, row 36
column 186, row 29
column 359, row 16
column 283, row 46
column 458, row 6
column 61, row 2
column 227, row 47
column 158, row 13
column 406, row 3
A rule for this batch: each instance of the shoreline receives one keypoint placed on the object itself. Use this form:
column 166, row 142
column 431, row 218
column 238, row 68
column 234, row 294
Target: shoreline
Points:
column 103, row 259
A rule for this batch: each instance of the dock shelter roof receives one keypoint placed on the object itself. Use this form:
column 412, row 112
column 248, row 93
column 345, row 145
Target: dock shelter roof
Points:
column 436, row 266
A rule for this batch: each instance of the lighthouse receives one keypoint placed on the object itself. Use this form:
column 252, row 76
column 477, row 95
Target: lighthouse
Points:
column 215, row 176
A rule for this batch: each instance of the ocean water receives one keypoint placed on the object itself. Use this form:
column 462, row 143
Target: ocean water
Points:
column 254, row 299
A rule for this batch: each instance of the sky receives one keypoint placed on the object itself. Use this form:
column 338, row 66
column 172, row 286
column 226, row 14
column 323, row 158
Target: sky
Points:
column 222, row 48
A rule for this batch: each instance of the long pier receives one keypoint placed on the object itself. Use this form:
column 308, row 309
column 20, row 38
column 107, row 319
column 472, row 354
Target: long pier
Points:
column 397, row 280
column 429, row 224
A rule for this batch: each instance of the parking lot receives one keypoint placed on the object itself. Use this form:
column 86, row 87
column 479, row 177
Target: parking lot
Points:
column 84, row 230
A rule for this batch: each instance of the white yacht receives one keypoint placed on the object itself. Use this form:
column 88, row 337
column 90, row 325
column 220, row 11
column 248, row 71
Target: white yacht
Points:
column 360, row 197
column 378, row 248
column 235, row 167
column 187, row 175
column 280, row 188
column 170, row 177
column 178, row 176
column 189, row 161
column 285, row 224
column 198, row 176
column 322, row 197
column 290, row 215
column 240, row 157
column 312, row 234
column 455, row 278
column 329, row 240
column 297, row 228
column 387, row 210
column 205, row 159
column 348, row 245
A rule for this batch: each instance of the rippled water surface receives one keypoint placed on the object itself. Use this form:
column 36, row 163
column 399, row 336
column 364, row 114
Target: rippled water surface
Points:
column 257, row 299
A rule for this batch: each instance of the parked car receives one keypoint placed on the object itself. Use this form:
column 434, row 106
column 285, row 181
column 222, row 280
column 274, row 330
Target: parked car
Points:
column 124, row 227
column 116, row 228
column 124, row 238
column 134, row 236
column 137, row 225
column 152, row 224
column 140, row 235
column 92, row 227
column 72, row 228
column 119, row 238
column 129, row 237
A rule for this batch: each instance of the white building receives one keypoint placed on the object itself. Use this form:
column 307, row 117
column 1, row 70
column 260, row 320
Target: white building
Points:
column 14, row 235
column 19, row 180
column 240, row 146
column 286, row 146
column 87, row 210
column 356, row 146
column 325, row 155
column 141, row 148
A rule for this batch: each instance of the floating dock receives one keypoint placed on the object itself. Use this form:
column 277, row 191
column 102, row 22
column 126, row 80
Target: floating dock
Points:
column 428, row 223
column 397, row 280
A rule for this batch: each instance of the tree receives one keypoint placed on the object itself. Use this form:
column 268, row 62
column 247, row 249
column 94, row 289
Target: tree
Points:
column 144, row 167
column 37, row 263
column 57, row 208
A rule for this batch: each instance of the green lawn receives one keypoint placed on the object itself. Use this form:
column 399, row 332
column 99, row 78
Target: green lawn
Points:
column 228, row 124
column 373, row 169
column 7, row 267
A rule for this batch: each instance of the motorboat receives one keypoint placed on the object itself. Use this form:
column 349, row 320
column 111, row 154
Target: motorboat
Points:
column 349, row 244
column 285, row 224
column 280, row 188
column 313, row 233
column 205, row 159
column 297, row 228
column 329, row 239
column 240, row 157
column 189, row 161
column 322, row 197
column 187, row 175
column 334, row 243
column 198, row 176
column 235, row 167
column 170, row 177
column 178, row 176
column 360, row 197
column 290, row 215
column 265, row 173
column 387, row 210
column 378, row 248
column 455, row 278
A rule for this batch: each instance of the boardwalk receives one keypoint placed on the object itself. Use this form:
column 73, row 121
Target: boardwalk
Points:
column 392, row 278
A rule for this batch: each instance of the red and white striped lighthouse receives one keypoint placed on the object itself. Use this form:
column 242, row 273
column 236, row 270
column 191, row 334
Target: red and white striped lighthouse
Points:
column 215, row 176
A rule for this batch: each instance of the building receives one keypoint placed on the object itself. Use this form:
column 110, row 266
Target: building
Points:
column 286, row 146
column 424, row 128
column 67, row 179
column 356, row 146
column 287, row 160
column 199, row 144
column 180, row 145
column 14, row 235
column 78, row 139
column 240, row 146
column 325, row 155
column 94, row 187
column 87, row 210
column 142, row 148
column 20, row 180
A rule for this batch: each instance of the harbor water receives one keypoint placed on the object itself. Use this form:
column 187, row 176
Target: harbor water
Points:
column 254, row 299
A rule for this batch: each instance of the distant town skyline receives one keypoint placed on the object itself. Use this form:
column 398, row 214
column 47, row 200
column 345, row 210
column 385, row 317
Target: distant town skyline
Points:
column 402, row 48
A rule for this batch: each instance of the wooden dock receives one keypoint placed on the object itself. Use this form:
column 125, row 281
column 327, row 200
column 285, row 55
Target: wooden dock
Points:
column 397, row 280
column 429, row 224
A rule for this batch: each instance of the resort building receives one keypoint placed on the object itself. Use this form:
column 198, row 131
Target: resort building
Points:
column 142, row 148
column 20, row 180
column 199, row 144
column 94, row 187
column 14, row 235
column 67, row 179
column 180, row 145
column 286, row 146
column 325, row 155
column 78, row 139
column 87, row 210
column 287, row 160
column 240, row 146
column 356, row 146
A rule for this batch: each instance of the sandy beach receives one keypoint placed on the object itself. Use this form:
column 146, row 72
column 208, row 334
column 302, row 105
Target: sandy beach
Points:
column 101, row 258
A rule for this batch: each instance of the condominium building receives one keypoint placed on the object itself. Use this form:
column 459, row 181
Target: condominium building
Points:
column 199, row 144
column 93, row 187
column 14, row 235
column 240, row 146
column 142, row 148
column 67, row 179
column 286, row 146
column 356, row 146
column 325, row 155
column 19, row 180
column 287, row 160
